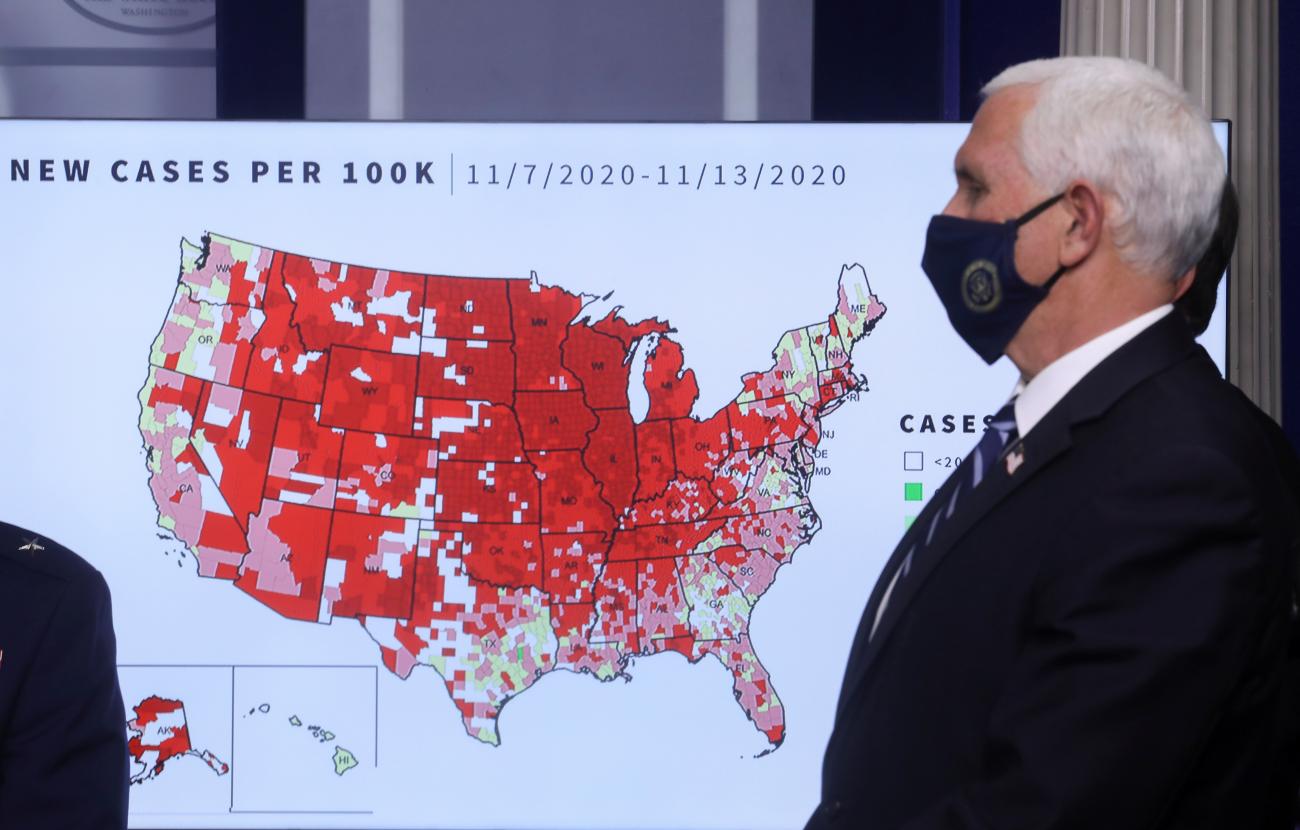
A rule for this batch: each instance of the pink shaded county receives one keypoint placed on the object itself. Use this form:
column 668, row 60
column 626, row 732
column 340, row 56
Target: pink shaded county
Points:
column 285, row 568
column 753, row 572
column 751, row 685
column 225, row 277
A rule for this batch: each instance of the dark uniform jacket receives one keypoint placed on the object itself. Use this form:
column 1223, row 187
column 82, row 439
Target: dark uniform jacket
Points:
column 63, row 757
column 1103, row 638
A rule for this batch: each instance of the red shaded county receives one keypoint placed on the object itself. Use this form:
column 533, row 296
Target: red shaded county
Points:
column 174, row 388
column 600, row 363
column 554, row 420
column 625, row 332
column 362, row 307
column 466, row 308
column 672, row 391
column 683, row 500
column 579, row 649
column 570, row 501
column 573, row 620
column 148, row 710
column 751, row 570
column 222, row 533
column 765, row 422
column 570, row 564
column 382, row 473
column 441, row 557
column 833, row 384
column 661, row 606
column 430, row 591
column 541, row 316
column 474, row 431
column 280, row 364
column 478, row 370
column 616, row 606
column 611, row 457
column 239, row 426
column 304, row 459
column 284, row 569
column 700, row 447
column 177, row 740
column 507, row 556
column 654, row 455
column 732, row 482
column 379, row 576
column 488, row 491
column 775, row 532
column 372, row 391
column 660, row 541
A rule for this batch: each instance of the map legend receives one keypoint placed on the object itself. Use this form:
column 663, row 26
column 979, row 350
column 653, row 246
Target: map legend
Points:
column 913, row 491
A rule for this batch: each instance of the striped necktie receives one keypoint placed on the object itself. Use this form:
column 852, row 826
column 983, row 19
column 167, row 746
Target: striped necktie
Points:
column 1001, row 432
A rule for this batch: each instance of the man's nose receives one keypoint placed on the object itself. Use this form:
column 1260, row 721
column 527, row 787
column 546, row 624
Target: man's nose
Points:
column 953, row 208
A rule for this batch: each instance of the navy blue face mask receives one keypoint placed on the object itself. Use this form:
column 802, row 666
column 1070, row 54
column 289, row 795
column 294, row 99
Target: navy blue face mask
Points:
column 972, row 266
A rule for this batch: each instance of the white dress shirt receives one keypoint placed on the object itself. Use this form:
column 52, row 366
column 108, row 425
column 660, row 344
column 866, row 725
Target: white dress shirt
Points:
column 1036, row 397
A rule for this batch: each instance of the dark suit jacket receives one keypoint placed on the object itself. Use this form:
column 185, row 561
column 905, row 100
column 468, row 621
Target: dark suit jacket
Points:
column 1101, row 639
column 63, row 758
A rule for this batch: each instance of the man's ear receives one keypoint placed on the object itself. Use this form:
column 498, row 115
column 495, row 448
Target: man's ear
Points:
column 1184, row 283
column 1087, row 209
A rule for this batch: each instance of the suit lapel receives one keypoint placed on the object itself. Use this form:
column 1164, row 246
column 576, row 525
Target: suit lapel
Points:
column 1160, row 346
column 911, row 540
column 1044, row 444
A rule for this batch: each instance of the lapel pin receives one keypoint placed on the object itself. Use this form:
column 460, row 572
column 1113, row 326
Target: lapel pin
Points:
column 32, row 545
column 1015, row 458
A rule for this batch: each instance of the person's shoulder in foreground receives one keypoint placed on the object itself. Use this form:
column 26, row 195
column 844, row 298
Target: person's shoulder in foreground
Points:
column 1092, row 624
column 63, row 758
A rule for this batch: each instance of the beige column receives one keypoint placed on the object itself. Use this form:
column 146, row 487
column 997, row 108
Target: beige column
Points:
column 1224, row 52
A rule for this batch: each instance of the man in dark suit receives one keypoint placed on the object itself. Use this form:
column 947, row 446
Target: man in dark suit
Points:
column 63, row 758
column 1092, row 624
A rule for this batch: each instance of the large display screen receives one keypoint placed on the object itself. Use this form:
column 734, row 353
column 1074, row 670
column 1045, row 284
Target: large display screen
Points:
column 470, row 476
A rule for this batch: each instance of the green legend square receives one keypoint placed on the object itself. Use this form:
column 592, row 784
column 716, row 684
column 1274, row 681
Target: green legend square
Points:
column 912, row 491
column 907, row 521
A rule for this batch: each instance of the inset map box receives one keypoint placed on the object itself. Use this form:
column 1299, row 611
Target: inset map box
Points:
column 179, row 738
column 304, row 739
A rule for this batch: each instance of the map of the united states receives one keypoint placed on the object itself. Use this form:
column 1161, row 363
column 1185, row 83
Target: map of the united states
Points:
column 468, row 467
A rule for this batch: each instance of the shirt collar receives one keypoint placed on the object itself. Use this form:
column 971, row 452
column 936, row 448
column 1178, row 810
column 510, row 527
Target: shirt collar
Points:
column 1035, row 398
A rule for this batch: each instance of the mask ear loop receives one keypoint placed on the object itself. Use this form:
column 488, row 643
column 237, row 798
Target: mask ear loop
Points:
column 1060, row 272
column 1033, row 213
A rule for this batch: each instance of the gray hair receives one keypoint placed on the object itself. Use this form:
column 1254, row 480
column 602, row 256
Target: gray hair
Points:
column 1137, row 136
